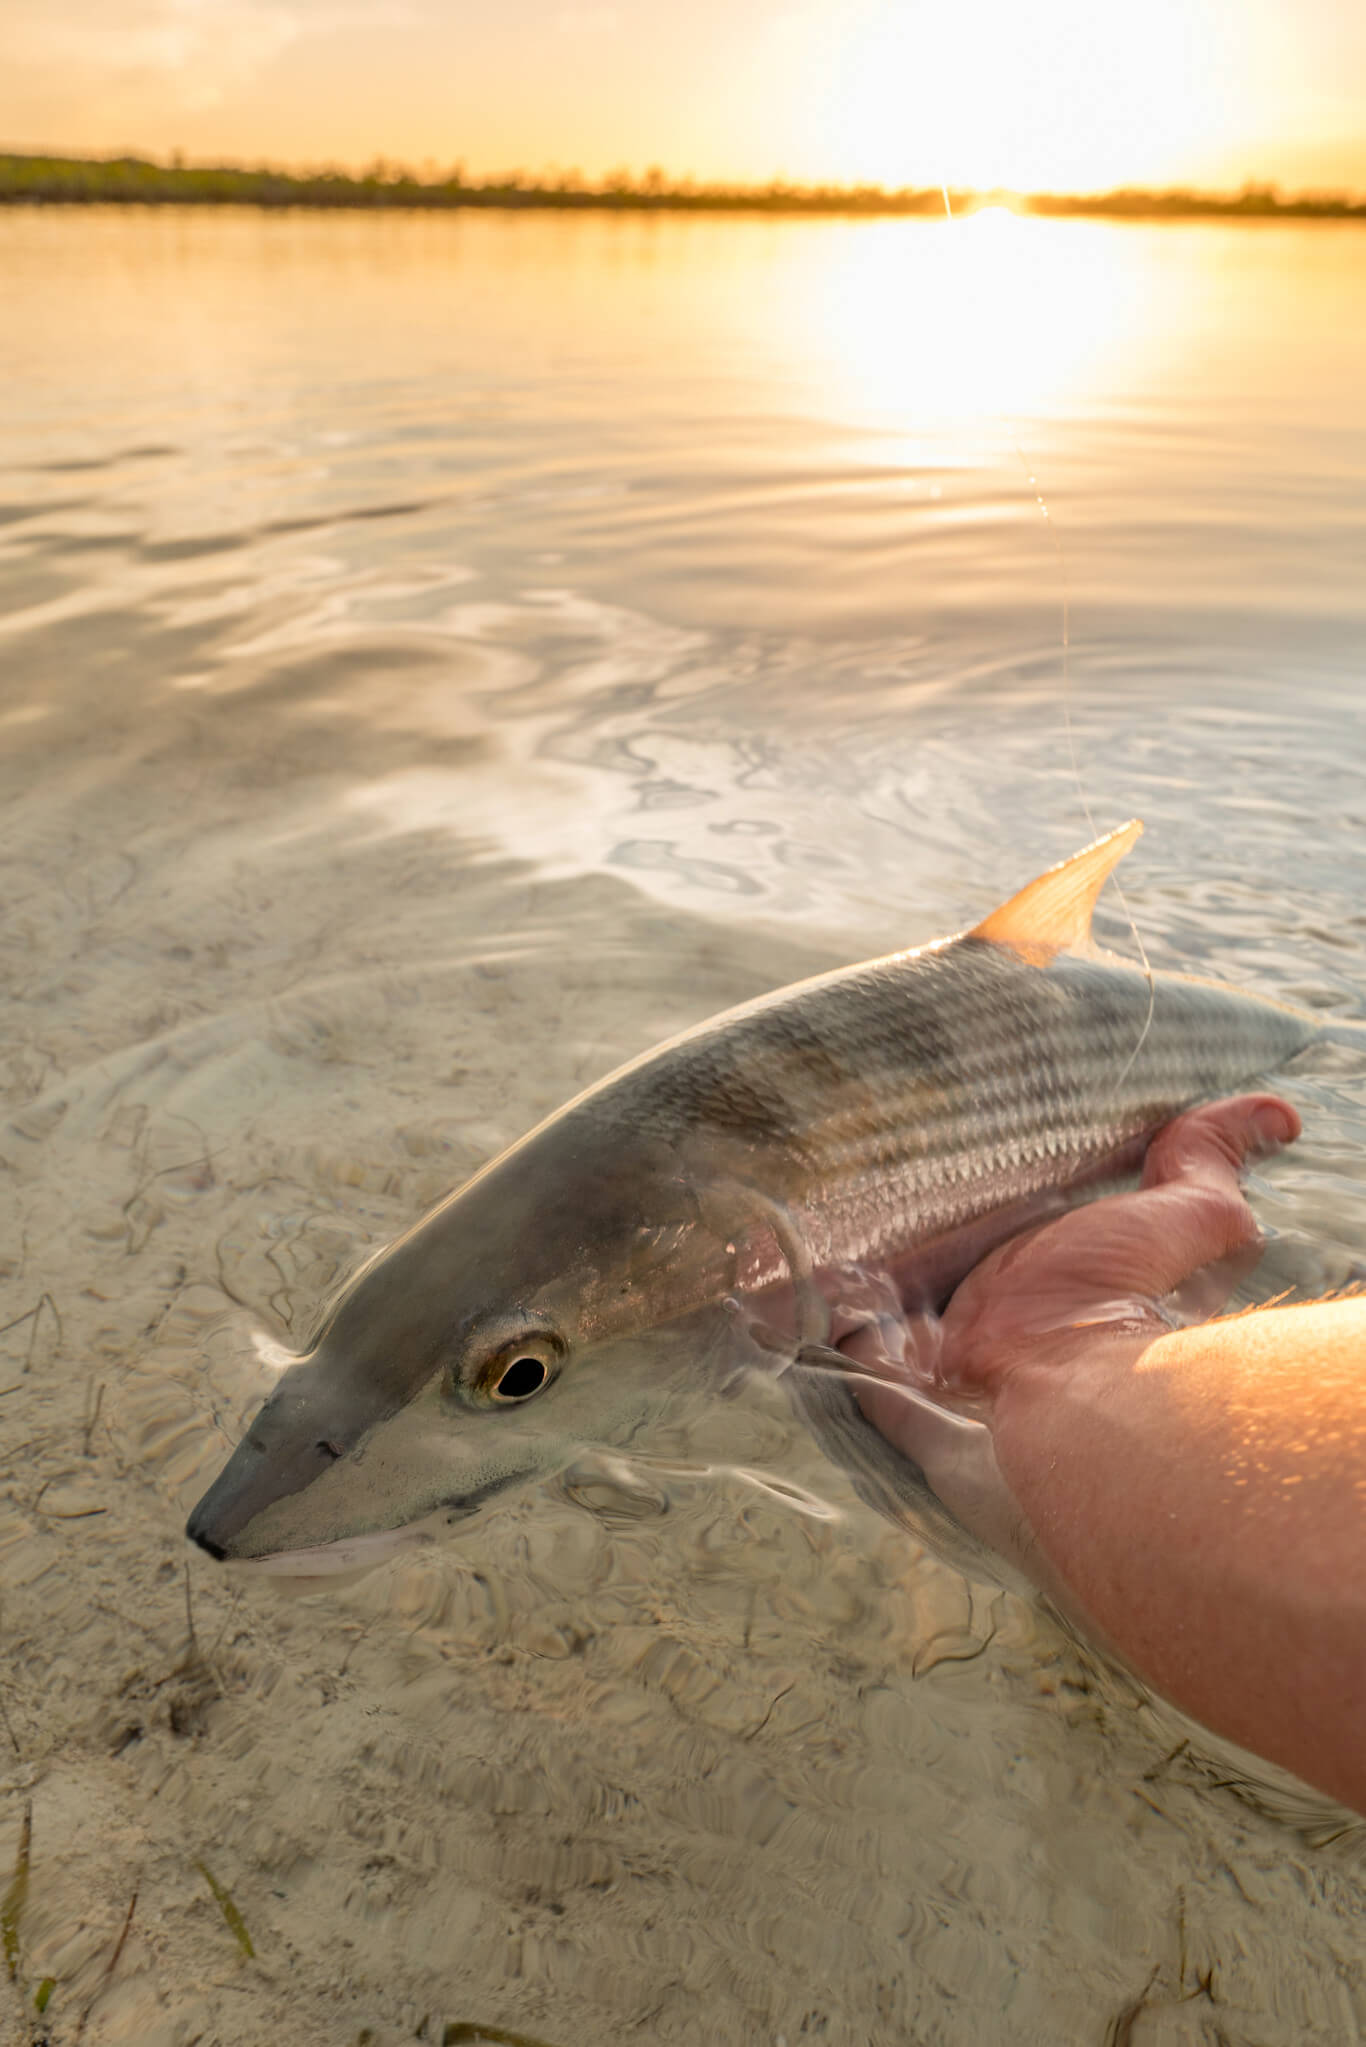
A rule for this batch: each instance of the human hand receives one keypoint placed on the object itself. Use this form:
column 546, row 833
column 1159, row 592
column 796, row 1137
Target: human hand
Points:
column 1100, row 1282
column 1190, row 1496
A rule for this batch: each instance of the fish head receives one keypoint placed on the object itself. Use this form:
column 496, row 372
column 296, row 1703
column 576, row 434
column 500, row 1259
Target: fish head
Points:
column 519, row 1323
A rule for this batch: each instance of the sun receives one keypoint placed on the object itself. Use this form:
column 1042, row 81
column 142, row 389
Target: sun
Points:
column 1062, row 95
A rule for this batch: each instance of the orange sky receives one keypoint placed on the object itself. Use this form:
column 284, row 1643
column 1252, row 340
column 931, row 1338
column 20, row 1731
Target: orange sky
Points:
column 1068, row 94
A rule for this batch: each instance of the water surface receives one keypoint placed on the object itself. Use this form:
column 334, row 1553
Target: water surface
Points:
column 441, row 656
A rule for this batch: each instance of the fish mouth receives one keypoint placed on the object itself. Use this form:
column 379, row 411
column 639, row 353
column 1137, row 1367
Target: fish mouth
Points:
column 357, row 1552
column 352, row 1554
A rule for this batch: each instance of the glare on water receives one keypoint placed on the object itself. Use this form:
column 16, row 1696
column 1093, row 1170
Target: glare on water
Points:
column 443, row 656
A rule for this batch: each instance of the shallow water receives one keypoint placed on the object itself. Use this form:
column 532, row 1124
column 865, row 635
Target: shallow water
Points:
column 442, row 656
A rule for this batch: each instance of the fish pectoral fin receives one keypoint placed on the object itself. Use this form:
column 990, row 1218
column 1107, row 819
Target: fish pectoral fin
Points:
column 1053, row 913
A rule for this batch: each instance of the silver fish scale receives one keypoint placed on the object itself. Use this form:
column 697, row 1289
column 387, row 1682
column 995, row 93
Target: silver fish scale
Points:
column 902, row 1099
column 888, row 1105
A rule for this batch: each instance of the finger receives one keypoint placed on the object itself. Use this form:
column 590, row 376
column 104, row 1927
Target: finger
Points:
column 891, row 1393
column 1097, row 1274
column 882, row 1394
column 1212, row 1144
column 1189, row 1211
column 898, row 1357
column 897, row 1349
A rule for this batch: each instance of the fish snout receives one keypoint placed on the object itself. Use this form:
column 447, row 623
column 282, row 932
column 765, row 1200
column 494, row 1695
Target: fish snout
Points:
column 287, row 1447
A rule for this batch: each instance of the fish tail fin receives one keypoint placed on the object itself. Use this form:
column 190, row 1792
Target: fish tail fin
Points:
column 1347, row 1031
column 1332, row 1044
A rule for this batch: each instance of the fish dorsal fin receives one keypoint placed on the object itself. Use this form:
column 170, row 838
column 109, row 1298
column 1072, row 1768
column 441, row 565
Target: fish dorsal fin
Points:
column 1053, row 913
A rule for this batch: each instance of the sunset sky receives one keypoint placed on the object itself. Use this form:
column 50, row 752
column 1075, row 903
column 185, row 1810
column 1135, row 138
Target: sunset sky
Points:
column 1067, row 94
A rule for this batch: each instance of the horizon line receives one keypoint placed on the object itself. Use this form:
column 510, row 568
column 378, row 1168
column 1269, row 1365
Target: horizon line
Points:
column 58, row 176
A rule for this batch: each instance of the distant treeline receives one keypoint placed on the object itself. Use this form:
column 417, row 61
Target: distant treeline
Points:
column 67, row 180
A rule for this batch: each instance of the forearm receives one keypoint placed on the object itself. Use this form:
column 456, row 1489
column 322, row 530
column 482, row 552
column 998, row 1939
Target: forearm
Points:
column 1206, row 1505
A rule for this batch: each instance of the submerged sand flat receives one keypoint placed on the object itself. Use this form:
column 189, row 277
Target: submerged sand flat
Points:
column 338, row 848
column 594, row 1767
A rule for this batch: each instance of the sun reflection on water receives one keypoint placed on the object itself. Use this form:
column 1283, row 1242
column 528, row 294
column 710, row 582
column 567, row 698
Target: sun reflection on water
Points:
column 980, row 322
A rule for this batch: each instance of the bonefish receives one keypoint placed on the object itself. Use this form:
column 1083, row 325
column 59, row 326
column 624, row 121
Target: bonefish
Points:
column 898, row 1117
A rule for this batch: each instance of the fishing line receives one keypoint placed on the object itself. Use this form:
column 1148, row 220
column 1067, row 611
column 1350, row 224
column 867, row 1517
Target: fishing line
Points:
column 1060, row 557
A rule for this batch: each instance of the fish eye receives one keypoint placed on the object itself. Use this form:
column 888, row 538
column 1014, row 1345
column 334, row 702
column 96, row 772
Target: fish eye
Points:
column 518, row 1370
column 523, row 1377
